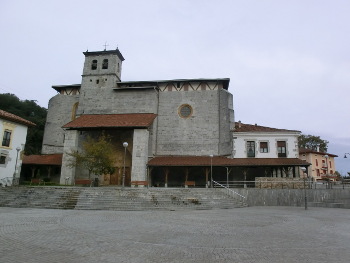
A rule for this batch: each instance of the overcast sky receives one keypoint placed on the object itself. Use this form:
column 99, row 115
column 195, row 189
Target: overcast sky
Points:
column 288, row 61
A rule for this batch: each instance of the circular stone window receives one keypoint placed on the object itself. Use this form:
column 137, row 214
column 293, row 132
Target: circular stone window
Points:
column 185, row 111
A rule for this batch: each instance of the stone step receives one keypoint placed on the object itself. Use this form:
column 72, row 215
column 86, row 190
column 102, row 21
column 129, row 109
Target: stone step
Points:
column 101, row 198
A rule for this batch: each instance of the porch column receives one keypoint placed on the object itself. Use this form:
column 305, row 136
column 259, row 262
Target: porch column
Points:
column 186, row 175
column 33, row 168
column 70, row 143
column 166, row 171
column 140, row 155
column 49, row 172
column 206, row 170
column 149, row 173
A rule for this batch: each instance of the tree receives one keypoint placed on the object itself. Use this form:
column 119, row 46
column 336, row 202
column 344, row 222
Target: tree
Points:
column 97, row 156
column 312, row 142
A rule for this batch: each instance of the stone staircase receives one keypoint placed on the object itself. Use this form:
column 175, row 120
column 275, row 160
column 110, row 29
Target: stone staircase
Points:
column 113, row 198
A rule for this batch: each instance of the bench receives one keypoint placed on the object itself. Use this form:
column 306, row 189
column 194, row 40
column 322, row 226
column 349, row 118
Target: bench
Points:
column 138, row 183
column 190, row 183
column 36, row 181
column 83, row 182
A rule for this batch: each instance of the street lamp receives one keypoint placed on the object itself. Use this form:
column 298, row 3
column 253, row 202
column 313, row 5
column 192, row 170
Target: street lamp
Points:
column 326, row 168
column 227, row 177
column 125, row 144
column 211, row 170
column 305, row 197
column 14, row 173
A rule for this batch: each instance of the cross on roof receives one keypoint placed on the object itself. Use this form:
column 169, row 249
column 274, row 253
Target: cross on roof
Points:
column 105, row 45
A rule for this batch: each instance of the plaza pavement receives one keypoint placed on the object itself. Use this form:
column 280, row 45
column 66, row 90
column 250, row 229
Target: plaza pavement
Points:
column 253, row 234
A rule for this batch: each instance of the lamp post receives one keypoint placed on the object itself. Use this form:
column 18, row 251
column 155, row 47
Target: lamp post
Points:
column 326, row 168
column 211, row 170
column 125, row 144
column 227, row 177
column 14, row 173
column 305, row 197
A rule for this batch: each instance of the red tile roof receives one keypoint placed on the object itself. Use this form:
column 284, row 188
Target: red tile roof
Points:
column 241, row 127
column 112, row 121
column 47, row 159
column 12, row 117
column 303, row 151
column 223, row 161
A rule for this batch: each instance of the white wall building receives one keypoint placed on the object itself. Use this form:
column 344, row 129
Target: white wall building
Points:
column 13, row 131
column 269, row 152
column 254, row 141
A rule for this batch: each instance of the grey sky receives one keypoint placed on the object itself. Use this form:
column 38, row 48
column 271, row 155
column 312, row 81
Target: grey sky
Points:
column 288, row 61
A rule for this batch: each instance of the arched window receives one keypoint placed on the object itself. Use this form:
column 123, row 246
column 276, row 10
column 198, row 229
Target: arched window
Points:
column 74, row 110
column 94, row 64
column 105, row 64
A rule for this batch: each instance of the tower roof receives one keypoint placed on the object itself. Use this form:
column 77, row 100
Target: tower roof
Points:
column 104, row 52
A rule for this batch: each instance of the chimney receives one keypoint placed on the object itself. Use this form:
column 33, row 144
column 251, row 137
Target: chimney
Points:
column 318, row 148
column 239, row 124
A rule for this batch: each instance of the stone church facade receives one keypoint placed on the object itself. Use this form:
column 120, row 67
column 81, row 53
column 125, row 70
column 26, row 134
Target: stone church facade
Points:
column 186, row 118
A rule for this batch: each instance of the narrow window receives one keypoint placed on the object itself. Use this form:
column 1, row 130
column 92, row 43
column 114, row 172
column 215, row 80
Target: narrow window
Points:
column 105, row 64
column 316, row 162
column 2, row 159
column 118, row 68
column 6, row 139
column 281, row 149
column 330, row 164
column 318, row 172
column 74, row 110
column 264, row 147
column 94, row 64
column 250, row 149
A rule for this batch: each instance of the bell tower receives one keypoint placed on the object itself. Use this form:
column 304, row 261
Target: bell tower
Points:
column 102, row 68
column 101, row 72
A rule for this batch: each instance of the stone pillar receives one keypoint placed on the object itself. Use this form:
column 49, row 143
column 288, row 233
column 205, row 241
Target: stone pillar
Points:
column 140, row 155
column 70, row 143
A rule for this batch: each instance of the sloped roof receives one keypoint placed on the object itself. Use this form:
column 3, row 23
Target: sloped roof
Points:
column 139, row 120
column 223, row 161
column 224, row 81
column 303, row 151
column 45, row 159
column 242, row 127
column 12, row 117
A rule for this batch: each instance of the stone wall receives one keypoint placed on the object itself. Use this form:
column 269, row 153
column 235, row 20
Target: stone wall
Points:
column 279, row 183
column 292, row 197
column 59, row 114
column 198, row 134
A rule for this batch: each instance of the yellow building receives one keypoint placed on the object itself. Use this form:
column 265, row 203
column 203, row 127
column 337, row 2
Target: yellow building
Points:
column 322, row 164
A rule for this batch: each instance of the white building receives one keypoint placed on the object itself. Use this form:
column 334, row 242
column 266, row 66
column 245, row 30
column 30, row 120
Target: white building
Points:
column 13, row 130
column 271, row 152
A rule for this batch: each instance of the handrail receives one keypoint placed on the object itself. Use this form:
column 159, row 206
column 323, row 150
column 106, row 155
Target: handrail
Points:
column 295, row 183
column 230, row 190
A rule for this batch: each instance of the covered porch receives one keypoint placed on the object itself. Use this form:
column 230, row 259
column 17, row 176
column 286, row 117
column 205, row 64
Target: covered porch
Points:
column 201, row 171
column 46, row 167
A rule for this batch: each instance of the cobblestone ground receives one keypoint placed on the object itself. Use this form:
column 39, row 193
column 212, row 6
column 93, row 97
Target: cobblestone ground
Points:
column 254, row 234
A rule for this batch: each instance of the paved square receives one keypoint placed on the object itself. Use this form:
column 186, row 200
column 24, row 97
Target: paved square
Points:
column 254, row 234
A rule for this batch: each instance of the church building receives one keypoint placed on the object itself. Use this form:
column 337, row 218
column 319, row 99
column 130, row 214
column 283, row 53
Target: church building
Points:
column 182, row 117
column 170, row 133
